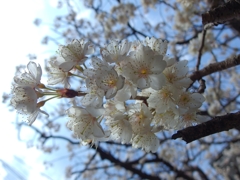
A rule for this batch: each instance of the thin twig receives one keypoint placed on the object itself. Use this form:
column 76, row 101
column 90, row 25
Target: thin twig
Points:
column 200, row 50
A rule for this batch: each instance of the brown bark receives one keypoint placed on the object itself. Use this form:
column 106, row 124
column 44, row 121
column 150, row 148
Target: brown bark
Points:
column 215, row 67
column 222, row 13
column 215, row 125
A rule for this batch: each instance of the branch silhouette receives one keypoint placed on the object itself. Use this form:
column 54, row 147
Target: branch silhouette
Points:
column 222, row 13
column 215, row 67
column 215, row 125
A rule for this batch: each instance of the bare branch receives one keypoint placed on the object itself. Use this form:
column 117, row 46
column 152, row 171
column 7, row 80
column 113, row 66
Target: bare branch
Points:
column 215, row 67
column 215, row 125
column 127, row 166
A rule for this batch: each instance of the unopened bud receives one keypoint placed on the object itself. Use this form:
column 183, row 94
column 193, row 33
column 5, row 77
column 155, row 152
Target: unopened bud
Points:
column 67, row 93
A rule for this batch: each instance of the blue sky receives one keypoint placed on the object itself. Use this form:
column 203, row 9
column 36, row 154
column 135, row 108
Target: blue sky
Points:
column 19, row 37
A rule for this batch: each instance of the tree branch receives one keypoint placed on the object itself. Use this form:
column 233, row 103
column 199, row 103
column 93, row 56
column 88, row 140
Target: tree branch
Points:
column 215, row 125
column 179, row 173
column 200, row 50
column 127, row 166
column 215, row 67
column 222, row 13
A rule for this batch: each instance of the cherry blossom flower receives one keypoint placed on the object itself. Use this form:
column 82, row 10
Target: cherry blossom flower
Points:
column 129, row 90
column 121, row 129
column 186, row 3
column 115, row 52
column 146, row 140
column 176, row 74
column 24, row 100
column 114, row 108
column 190, row 118
column 139, row 116
column 135, row 45
column 168, row 119
column 123, row 12
column 97, row 63
column 84, row 122
column 94, row 140
column 169, row 61
column 145, row 68
column 27, row 91
column 74, row 53
column 31, row 117
column 188, row 100
column 109, row 81
column 148, row 4
column 159, row 46
column 106, row 77
column 182, row 20
column 164, row 99
column 31, row 78
column 94, row 96
column 57, row 75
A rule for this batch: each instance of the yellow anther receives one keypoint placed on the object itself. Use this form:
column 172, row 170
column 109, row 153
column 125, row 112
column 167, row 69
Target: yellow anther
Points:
column 143, row 71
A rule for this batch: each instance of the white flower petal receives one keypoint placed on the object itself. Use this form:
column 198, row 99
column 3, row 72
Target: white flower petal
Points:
column 35, row 71
column 95, row 112
column 147, row 141
column 97, row 130
column 142, row 83
column 67, row 66
column 157, row 81
column 158, row 65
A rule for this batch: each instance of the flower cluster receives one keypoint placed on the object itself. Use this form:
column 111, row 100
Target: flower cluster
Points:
column 120, row 15
column 26, row 92
column 123, row 12
column 185, row 11
column 131, row 92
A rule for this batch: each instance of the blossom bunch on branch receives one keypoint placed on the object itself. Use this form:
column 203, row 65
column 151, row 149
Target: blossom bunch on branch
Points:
column 131, row 92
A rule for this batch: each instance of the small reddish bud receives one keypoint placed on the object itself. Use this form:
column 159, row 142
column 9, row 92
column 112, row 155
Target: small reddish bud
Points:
column 67, row 93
